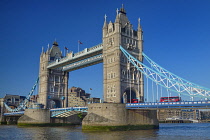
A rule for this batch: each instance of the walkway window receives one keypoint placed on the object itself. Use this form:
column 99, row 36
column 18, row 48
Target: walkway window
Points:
column 51, row 88
column 57, row 79
column 56, row 89
column 51, row 78
column 61, row 90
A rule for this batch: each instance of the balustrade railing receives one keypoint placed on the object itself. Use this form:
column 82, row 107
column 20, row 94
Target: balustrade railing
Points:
column 169, row 104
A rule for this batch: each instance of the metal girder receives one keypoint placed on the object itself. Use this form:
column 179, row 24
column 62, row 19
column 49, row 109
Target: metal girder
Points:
column 24, row 102
column 84, row 54
column 65, row 112
column 84, row 63
column 165, row 78
column 169, row 105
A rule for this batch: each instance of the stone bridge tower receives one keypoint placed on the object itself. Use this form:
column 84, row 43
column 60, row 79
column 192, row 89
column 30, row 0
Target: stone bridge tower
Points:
column 53, row 83
column 122, row 82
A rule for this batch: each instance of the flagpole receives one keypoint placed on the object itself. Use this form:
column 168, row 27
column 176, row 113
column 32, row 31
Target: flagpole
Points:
column 66, row 50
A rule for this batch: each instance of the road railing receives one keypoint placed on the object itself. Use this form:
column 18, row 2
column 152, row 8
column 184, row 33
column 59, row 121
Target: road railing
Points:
column 181, row 104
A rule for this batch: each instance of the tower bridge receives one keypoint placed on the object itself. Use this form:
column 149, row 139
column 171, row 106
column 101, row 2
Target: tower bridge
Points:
column 55, row 68
column 121, row 53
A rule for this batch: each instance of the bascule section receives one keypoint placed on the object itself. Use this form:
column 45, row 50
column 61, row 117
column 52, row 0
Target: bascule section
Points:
column 122, row 82
column 53, row 83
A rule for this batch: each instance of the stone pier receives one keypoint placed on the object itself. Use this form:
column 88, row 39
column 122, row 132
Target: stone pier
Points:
column 41, row 117
column 114, row 116
column 35, row 117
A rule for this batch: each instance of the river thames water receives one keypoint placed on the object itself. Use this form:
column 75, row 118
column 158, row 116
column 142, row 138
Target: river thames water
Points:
column 184, row 131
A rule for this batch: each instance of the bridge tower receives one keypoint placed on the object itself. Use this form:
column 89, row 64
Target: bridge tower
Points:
column 122, row 82
column 53, row 83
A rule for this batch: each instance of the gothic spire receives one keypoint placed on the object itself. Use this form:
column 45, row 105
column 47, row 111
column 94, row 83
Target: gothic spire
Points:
column 117, row 16
column 105, row 23
column 139, row 24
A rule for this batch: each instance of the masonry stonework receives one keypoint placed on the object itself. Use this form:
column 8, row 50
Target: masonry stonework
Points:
column 53, row 83
column 114, row 116
column 35, row 116
column 121, row 79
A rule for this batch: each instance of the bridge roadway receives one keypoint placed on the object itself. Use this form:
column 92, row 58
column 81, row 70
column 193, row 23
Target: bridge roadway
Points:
column 170, row 105
column 84, row 58
column 56, row 112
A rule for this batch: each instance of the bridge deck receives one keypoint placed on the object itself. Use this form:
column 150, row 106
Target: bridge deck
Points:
column 169, row 105
column 147, row 105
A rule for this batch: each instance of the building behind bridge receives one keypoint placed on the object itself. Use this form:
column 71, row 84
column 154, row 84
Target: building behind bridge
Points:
column 205, row 115
column 78, row 97
column 12, row 101
column 185, row 114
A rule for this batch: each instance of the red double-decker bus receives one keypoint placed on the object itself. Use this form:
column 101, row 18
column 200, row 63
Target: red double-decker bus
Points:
column 170, row 99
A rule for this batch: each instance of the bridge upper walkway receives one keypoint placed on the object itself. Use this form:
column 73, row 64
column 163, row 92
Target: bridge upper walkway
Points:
column 88, row 56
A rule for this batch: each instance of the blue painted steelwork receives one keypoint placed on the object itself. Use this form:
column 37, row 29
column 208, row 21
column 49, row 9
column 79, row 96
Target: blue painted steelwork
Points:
column 72, row 58
column 54, row 112
column 166, row 79
column 14, row 113
column 23, row 104
column 57, row 111
column 84, row 63
column 173, row 76
column 148, row 105
column 164, row 105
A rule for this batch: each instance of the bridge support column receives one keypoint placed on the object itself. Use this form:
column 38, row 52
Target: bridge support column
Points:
column 35, row 117
column 112, row 116
column 12, row 120
column 3, row 120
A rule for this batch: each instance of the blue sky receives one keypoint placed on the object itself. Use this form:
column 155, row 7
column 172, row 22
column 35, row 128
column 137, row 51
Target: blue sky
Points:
column 176, row 36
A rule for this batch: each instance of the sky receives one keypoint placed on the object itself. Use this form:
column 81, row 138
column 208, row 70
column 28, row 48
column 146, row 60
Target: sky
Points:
column 176, row 36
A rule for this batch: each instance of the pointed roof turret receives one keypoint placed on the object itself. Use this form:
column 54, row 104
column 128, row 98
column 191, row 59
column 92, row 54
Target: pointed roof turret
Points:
column 122, row 17
column 55, row 43
column 55, row 50
column 122, row 10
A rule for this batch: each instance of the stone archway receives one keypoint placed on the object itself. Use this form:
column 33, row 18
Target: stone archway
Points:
column 55, row 103
column 129, row 95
